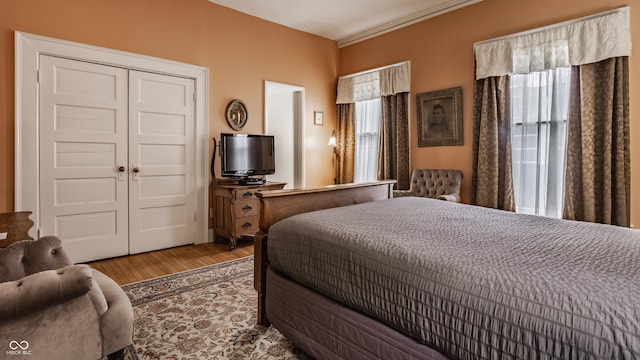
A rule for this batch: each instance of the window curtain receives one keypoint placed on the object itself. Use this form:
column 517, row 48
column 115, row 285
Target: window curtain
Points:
column 578, row 42
column 368, row 120
column 492, row 182
column 598, row 168
column 373, row 84
column 539, row 110
column 345, row 143
column 582, row 41
column 393, row 162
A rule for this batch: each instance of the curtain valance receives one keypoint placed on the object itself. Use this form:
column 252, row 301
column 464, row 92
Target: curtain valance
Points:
column 578, row 42
column 373, row 84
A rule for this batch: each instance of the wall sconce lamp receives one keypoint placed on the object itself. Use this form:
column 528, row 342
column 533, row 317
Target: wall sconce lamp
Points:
column 332, row 142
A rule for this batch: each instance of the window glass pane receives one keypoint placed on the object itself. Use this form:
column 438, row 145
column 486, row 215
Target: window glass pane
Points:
column 368, row 118
column 539, row 111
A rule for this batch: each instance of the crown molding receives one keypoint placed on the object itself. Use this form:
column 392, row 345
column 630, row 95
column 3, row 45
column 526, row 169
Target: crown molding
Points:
column 405, row 21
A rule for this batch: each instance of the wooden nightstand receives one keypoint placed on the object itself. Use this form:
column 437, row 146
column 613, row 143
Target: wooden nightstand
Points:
column 236, row 210
column 15, row 227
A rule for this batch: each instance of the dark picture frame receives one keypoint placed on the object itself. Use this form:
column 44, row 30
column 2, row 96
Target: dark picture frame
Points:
column 440, row 117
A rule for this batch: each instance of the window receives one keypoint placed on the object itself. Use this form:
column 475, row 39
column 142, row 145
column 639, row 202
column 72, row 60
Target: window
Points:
column 539, row 111
column 368, row 117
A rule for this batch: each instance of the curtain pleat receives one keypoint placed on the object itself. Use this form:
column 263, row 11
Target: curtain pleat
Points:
column 597, row 183
column 393, row 162
column 492, row 180
column 345, row 140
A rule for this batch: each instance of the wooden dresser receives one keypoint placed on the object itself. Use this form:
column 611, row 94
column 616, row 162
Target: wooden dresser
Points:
column 14, row 227
column 236, row 210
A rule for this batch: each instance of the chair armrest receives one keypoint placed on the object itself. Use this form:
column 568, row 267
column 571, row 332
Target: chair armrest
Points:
column 44, row 289
column 403, row 193
column 449, row 197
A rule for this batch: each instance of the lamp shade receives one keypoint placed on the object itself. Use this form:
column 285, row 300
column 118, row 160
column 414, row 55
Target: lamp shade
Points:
column 332, row 139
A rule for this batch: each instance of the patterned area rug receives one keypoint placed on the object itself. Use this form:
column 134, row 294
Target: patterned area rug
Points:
column 206, row 313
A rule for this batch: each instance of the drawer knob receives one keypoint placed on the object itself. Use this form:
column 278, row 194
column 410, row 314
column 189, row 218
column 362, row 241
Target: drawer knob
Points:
column 246, row 225
column 248, row 194
column 247, row 208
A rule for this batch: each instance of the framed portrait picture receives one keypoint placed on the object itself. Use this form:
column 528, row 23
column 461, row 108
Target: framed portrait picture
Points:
column 318, row 118
column 440, row 117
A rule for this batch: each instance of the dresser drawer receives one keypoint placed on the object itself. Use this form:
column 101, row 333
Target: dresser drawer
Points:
column 244, row 194
column 246, row 226
column 244, row 208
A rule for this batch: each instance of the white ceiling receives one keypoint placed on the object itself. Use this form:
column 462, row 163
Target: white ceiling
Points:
column 346, row 21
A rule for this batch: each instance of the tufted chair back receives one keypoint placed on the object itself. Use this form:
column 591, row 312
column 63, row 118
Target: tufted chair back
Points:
column 28, row 257
column 434, row 183
column 60, row 310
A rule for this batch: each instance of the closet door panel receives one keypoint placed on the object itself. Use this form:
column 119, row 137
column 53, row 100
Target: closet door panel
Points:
column 83, row 142
column 162, row 182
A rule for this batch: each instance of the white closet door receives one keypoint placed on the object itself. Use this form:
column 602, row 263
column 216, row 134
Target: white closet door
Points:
column 83, row 143
column 161, row 137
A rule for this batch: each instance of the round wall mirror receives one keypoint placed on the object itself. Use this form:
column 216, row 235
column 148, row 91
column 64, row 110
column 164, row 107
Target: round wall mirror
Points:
column 236, row 114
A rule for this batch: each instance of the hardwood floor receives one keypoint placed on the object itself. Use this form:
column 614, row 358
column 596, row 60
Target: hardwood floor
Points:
column 132, row 268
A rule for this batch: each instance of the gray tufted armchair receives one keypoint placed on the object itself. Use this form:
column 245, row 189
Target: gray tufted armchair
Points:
column 433, row 183
column 51, row 309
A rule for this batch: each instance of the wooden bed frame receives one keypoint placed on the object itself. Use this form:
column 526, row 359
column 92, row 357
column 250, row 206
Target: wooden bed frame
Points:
column 279, row 204
column 327, row 328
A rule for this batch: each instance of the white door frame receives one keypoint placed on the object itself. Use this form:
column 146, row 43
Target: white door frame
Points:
column 28, row 48
column 298, row 121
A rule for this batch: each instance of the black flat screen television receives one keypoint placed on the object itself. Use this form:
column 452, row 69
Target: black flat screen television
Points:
column 244, row 155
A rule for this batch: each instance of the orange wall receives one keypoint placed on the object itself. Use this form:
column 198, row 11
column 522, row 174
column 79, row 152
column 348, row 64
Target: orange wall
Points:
column 441, row 54
column 240, row 51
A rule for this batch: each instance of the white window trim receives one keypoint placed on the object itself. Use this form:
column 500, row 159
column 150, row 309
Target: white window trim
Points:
column 28, row 48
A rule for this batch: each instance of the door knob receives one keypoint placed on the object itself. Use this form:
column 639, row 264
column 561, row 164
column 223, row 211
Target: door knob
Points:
column 121, row 172
column 136, row 169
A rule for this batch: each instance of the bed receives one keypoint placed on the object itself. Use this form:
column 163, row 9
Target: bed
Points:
column 347, row 272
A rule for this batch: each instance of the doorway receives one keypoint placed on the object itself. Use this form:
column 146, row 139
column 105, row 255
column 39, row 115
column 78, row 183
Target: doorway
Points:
column 284, row 119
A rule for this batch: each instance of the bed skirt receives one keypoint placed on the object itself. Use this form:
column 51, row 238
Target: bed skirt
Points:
column 326, row 329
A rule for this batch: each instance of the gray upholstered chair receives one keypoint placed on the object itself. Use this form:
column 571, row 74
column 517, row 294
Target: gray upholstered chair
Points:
column 434, row 183
column 56, row 310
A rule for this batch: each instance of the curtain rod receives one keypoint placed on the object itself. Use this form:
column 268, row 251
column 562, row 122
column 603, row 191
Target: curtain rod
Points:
column 374, row 70
column 624, row 9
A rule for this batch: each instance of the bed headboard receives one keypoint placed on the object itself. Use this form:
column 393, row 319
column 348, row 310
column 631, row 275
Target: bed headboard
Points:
column 276, row 205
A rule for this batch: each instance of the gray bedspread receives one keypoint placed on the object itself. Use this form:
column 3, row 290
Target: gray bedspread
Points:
column 472, row 282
